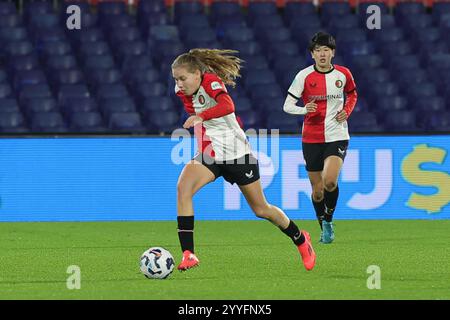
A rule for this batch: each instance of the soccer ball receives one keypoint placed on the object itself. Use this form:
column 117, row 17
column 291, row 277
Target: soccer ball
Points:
column 157, row 263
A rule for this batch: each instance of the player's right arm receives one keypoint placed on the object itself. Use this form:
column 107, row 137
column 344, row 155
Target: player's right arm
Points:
column 294, row 93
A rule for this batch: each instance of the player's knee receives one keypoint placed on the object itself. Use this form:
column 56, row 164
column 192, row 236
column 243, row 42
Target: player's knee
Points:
column 261, row 211
column 184, row 191
column 318, row 195
column 330, row 185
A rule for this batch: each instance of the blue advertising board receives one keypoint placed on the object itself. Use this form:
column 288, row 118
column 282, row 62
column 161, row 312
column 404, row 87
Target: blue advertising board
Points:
column 135, row 178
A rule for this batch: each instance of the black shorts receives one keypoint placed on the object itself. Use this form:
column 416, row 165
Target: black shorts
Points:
column 316, row 153
column 241, row 171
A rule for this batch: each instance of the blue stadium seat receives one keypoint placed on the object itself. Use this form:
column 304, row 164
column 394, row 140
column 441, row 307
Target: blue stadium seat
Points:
column 363, row 122
column 193, row 21
column 71, row 91
column 39, row 105
column 275, row 35
column 99, row 62
column 156, row 104
column 306, row 22
column 268, row 105
column 23, row 63
column 402, row 63
column 238, row 33
column 132, row 63
column 417, row 22
column 386, row 105
column 246, row 48
column 10, row 20
column 129, row 122
column 87, row 35
column 94, row 48
column 29, row 77
column 439, row 9
column 429, row 104
column 109, row 106
column 387, row 38
column 45, row 20
column 264, row 91
column 19, row 48
column 146, row 90
column 154, row 6
column 7, row 8
column 195, row 36
column 343, row 22
column 131, row 49
column 104, row 76
column 404, row 9
column 427, row 36
column 78, row 105
column 436, row 121
column 36, row 8
column 168, row 50
column 401, row 121
column 115, row 90
column 259, row 77
column 441, row 61
column 87, row 122
column 400, row 48
column 187, row 8
column 143, row 76
column 106, row 8
column 415, row 77
column 386, row 89
column 9, row 105
column 242, row 104
column 344, row 37
column 163, row 121
column 48, row 122
column 126, row 34
column 55, row 48
column 12, row 122
column 286, row 123
column 256, row 10
column 13, row 34
column 254, row 63
column 66, row 76
column 421, row 90
column 330, row 9
column 295, row 10
column 34, row 91
column 267, row 23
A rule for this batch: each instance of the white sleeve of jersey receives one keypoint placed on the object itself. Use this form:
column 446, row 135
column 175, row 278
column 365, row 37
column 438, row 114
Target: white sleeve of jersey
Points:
column 291, row 107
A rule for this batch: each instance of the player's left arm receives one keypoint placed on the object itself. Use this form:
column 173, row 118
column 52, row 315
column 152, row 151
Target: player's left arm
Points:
column 351, row 96
column 215, row 88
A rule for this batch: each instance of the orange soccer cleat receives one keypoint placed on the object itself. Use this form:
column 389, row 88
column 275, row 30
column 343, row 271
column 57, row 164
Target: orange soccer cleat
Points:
column 189, row 261
column 307, row 252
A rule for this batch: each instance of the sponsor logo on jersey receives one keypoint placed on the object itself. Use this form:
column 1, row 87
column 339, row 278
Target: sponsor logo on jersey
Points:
column 339, row 83
column 216, row 85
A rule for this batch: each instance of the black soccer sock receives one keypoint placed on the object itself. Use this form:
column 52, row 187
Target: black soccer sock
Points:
column 330, row 203
column 319, row 207
column 293, row 232
column 186, row 232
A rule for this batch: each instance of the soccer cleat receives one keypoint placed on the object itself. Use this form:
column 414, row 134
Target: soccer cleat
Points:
column 328, row 232
column 321, row 237
column 307, row 252
column 189, row 261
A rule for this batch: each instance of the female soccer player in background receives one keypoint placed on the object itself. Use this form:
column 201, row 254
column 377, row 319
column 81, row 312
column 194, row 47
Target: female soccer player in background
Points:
column 325, row 137
column 200, row 76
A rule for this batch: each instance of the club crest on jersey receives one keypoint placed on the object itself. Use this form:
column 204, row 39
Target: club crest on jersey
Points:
column 216, row 85
column 339, row 83
column 201, row 99
column 313, row 84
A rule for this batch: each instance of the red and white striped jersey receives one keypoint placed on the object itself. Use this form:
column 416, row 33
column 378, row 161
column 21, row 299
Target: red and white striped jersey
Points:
column 327, row 89
column 220, row 137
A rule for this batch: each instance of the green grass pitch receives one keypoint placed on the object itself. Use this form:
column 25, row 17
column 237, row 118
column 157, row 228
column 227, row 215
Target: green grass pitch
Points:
column 238, row 260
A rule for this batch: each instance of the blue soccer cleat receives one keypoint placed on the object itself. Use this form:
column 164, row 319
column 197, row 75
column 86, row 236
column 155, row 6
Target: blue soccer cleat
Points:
column 328, row 232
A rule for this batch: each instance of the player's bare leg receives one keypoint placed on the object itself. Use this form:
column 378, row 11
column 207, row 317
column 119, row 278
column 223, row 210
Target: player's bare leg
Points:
column 330, row 174
column 315, row 178
column 257, row 201
column 193, row 177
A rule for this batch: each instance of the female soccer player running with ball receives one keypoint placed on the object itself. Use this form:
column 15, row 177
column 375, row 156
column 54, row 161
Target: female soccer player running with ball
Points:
column 325, row 133
column 200, row 76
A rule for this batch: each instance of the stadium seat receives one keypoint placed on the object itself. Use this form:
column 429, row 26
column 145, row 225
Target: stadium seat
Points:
column 109, row 106
column 286, row 123
column 48, row 122
column 106, row 8
column 87, row 122
column 19, row 48
column 39, row 105
column 250, row 119
column 10, row 20
column 23, row 63
column 148, row 90
column 331, row 9
column 11, row 122
column 55, row 48
column 294, row 10
column 9, row 105
column 112, row 90
column 436, row 121
column 363, row 122
column 156, row 104
column 237, row 34
column 164, row 122
column 7, row 8
column 401, row 121
column 129, row 122
column 70, row 91
column 13, row 34
column 78, row 105
column 187, row 8
column 99, row 62
column 28, row 77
